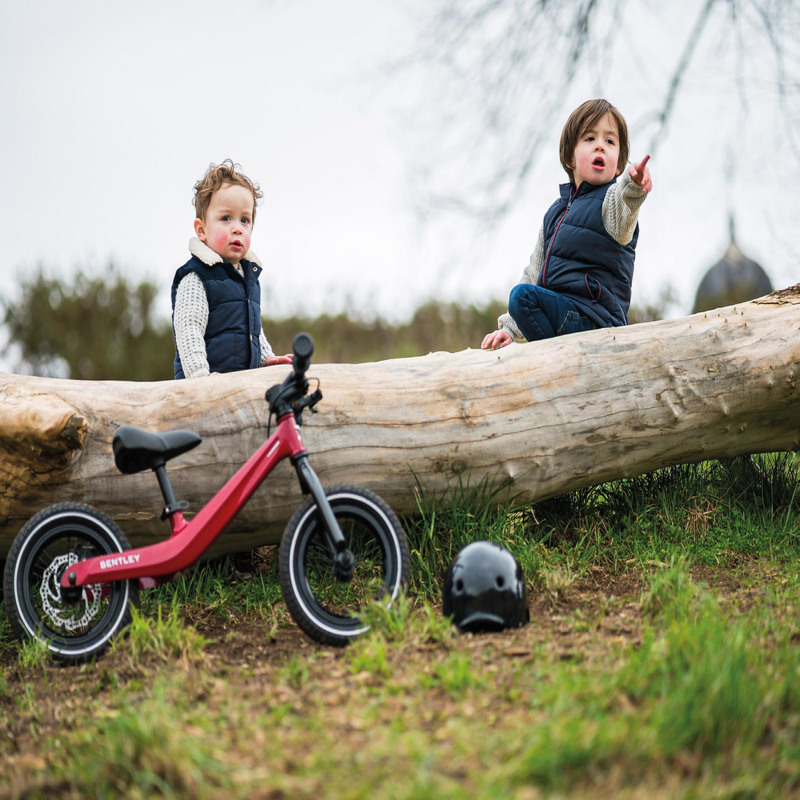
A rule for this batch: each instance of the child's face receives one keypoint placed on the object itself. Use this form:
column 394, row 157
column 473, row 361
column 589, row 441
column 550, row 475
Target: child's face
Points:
column 597, row 153
column 228, row 225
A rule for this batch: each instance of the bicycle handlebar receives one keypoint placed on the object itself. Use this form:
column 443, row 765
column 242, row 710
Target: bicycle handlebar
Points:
column 303, row 348
column 289, row 395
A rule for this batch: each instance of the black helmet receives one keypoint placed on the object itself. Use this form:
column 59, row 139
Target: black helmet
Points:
column 484, row 589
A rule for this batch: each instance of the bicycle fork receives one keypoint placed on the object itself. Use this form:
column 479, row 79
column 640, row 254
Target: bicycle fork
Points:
column 342, row 561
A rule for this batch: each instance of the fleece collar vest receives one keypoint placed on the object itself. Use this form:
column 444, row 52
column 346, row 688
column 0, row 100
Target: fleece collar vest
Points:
column 234, row 308
column 582, row 260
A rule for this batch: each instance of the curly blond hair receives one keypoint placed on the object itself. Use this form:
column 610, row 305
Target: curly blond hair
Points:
column 217, row 175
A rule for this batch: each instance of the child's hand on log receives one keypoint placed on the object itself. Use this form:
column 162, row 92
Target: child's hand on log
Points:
column 273, row 361
column 496, row 339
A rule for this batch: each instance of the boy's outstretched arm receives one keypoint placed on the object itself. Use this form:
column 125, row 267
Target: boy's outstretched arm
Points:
column 623, row 200
column 641, row 175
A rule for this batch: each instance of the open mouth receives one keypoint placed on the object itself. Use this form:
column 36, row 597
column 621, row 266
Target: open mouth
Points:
column 599, row 162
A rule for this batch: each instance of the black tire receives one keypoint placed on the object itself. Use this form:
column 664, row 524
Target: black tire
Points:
column 55, row 537
column 325, row 608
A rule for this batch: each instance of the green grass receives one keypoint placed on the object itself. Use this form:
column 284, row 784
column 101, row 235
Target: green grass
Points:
column 707, row 673
column 33, row 654
column 212, row 587
column 469, row 512
column 155, row 748
column 671, row 591
column 164, row 636
column 687, row 686
column 709, row 513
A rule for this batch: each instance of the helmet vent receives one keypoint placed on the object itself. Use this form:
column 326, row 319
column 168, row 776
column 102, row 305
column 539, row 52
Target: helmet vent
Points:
column 460, row 585
column 500, row 581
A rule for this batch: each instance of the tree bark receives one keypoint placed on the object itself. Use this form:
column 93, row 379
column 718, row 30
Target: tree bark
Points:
column 543, row 418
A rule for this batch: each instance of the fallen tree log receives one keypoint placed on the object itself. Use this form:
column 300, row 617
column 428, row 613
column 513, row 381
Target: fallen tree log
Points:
column 544, row 418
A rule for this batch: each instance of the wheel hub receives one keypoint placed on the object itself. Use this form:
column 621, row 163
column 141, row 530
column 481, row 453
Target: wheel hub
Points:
column 67, row 615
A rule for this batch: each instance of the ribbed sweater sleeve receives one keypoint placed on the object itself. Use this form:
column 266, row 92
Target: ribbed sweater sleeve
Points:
column 189, row 320
column 266, row 349
column 621, row 208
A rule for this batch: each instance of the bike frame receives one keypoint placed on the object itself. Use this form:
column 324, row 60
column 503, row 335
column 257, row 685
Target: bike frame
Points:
column 158, row 563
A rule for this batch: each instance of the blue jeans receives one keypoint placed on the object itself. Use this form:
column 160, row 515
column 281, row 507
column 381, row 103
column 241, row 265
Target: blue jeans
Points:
column 542, row 314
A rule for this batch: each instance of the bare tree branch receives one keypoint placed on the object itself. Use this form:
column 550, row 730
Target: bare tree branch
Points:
column 504, row 86
column 499, row 73
column 678, row 74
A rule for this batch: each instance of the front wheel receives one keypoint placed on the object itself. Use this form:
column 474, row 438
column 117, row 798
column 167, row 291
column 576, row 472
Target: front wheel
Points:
column 327, row 609
column 77, row 629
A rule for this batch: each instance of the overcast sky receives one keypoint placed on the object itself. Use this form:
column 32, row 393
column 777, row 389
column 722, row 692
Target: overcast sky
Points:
column 111, row 112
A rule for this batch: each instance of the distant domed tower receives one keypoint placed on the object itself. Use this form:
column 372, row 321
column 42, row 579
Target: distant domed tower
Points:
column 733, row 279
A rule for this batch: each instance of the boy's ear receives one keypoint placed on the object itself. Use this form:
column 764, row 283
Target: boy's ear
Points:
column 200, row 229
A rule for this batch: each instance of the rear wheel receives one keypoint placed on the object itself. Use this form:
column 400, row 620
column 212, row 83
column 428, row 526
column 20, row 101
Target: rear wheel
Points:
column 327, row 609
column 53, row 540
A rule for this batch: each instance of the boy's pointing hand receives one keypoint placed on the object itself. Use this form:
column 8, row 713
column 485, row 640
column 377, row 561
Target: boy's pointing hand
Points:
column 641, row 175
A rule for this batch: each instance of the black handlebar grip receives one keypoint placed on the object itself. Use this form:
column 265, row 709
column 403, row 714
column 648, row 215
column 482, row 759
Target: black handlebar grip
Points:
column 303, row 348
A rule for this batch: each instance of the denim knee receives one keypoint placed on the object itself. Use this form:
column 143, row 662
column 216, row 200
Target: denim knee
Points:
column 516, row 300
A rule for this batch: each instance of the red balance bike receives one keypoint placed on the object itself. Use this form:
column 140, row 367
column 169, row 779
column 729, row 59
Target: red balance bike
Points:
column 71, row 575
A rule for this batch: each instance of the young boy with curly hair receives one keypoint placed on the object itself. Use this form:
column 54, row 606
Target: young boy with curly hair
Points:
column 216, row 295
column 580, row 274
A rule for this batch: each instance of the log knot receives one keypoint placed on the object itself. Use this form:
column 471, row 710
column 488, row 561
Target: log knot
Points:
column 73, row 434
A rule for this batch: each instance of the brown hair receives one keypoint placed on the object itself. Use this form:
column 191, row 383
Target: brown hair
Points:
column 217, row 175
column 580, row 120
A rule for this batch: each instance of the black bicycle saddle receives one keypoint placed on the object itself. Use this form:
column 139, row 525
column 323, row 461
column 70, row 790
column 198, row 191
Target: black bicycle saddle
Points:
column 136, row 449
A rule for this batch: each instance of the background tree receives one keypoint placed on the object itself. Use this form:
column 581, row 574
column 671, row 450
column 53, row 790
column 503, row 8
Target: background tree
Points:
column 434, row 326
column 103, row 328
column 100, row 328
column 500, row 78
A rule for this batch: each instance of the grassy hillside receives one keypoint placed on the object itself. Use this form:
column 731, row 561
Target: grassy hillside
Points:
column 661, row 661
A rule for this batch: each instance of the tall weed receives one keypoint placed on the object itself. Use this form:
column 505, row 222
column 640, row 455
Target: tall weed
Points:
column 707, row 511
column 406, row 621
column 670, row 592
column 165, row 637
column 33, row 654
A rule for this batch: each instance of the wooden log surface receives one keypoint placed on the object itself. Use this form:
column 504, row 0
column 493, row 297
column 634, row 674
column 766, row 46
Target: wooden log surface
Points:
column 544, row 418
